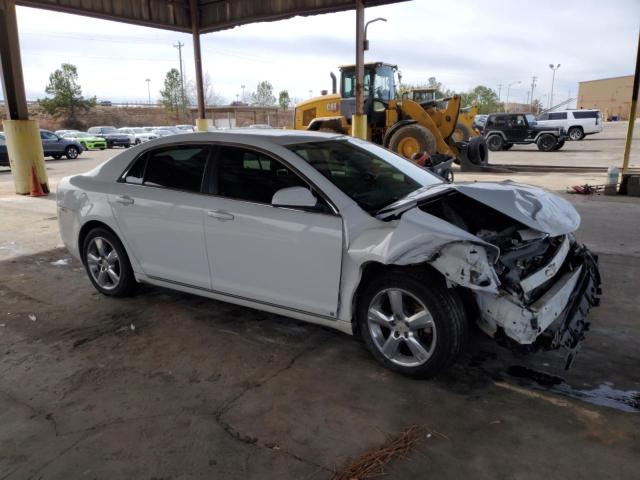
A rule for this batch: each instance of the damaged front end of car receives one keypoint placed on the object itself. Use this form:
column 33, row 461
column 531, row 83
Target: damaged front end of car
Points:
column 532, row 283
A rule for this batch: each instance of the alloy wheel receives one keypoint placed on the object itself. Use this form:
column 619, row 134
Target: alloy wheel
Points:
column 104, row 263
column 401, row 327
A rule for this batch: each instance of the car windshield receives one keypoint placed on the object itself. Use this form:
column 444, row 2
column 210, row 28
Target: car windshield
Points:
column 109, row 130
column 138, row 130
column 370, row 175
column 530, row 118
column 80, row 135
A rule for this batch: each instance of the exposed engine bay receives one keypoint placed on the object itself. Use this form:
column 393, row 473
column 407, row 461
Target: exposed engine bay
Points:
column 540, row 287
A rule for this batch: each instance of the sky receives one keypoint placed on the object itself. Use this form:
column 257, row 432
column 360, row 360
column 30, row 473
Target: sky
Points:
column 463, row 43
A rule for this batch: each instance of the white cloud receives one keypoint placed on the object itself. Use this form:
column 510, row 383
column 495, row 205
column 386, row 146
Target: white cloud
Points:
column 463, row 45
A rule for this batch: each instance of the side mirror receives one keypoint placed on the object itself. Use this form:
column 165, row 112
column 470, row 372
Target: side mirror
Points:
column 295, row 197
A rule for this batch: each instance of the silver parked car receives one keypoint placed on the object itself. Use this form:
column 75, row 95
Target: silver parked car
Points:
column 336, row 231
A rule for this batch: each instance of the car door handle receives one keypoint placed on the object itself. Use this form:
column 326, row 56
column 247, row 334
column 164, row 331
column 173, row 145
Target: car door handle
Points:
column 220, row 215
column 124, row 200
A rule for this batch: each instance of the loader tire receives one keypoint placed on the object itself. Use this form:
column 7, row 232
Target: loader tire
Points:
column 461, row 133
column 411, row 139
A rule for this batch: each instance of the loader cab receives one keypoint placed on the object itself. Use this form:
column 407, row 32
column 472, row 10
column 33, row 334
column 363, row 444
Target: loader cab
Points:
column 379, row 90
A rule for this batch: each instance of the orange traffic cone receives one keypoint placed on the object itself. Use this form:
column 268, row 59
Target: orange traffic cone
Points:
column 36, row 187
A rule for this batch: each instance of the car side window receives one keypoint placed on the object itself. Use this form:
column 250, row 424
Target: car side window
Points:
column 181, row 168
column 558, row 116
column 47, row 136
column 244, row 174
column 544, row 116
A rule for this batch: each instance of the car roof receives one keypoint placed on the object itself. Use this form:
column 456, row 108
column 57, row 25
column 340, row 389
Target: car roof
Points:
column 274, row 135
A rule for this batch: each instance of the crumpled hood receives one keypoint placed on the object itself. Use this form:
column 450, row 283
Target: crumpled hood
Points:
column 532, row 206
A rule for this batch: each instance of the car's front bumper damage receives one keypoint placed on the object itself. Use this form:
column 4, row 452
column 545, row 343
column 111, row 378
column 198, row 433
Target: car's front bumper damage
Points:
column 557, row 318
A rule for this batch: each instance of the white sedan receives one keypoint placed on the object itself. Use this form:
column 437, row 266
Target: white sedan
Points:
column 138, row 135
column 339, row 232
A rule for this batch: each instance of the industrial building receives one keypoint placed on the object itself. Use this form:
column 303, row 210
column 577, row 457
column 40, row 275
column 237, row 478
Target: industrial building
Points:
column 612, row 96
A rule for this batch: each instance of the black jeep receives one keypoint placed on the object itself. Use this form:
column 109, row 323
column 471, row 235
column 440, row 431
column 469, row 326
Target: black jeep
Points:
column 503, row 130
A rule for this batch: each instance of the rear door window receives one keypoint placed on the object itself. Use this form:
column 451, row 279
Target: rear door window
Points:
column 180, row 168
column 244, row 174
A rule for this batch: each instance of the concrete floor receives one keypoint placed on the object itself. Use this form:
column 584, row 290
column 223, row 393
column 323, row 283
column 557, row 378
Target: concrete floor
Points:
column 167, row 385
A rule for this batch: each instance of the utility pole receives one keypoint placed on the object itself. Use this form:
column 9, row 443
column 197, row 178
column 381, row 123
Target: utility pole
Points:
column 148, row 80
column 179, row 47
column 533, row 86
column 499, row 91
column 553, row 79
column 242, row 87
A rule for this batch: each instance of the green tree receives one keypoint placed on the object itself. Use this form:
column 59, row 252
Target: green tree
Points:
column 284, row 100
column 170, row 95
column 263, row 96
column 67, row 99
column 484, row 97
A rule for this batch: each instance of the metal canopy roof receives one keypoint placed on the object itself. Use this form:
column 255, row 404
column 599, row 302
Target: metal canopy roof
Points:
column 214, row 14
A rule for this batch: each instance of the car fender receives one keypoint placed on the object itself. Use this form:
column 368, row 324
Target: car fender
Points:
column 491, row 132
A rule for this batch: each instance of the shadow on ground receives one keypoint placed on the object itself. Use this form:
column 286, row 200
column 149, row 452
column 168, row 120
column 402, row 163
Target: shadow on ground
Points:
column 168, row 385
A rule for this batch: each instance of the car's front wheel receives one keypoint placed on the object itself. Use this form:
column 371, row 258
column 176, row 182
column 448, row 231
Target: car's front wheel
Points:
column 107, row 263
column 71, row 152
column 412, row 324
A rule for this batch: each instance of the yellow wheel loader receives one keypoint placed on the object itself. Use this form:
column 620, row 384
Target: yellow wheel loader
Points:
column 404, row 126
column 428, row 97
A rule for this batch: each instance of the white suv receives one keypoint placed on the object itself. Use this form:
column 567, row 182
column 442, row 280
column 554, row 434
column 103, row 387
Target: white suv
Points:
column 577, row 123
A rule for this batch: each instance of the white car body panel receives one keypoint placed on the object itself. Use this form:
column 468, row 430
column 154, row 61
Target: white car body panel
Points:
column 589, row 125
column 305, row 265
column 164, row 230
column 275, row 255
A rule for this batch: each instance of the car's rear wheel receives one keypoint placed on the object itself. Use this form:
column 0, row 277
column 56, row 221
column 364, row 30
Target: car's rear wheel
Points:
column 71, row 152
column 495, row 143
column 412, row 324
column 576, row 133
column 138, row 141
column 547, row 142
column 107, row 263
column 559, row 145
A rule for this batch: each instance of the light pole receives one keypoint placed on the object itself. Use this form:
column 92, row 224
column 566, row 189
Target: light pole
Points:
column 508, row 92
column 242, row 87
column 366, row 25
column 148, row 80
column 553, row 79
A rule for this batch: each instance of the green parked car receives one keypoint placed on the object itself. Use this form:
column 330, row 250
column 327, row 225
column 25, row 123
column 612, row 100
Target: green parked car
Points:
column 87, row 140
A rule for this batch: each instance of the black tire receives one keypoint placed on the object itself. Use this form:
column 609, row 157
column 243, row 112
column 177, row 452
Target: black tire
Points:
column 448, row 175
column 547, row 142
column 71, row 152
column 559, row 145
column 507, row 146
column 411, row 139
column 495, row 142
column 461, row 133
column 477, row 152
column 138, row 141
column 575, row 133
column 57, row 156
column 446, row 310
column 127, row 283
